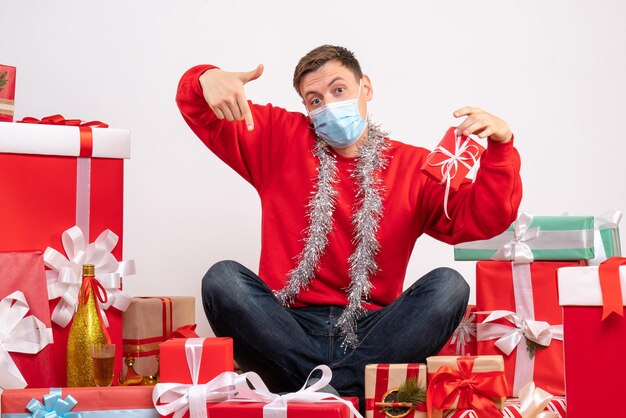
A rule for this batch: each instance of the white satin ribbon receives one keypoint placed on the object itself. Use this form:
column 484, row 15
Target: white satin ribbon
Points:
column 65, row 274
column 533, row 402
column 606, row 220
column 463, row 152
column 277, row 404
column 18, row 334
column 524, row 326
column 516, row 250
column 178, row 398
column 509, row 337
column 464, row 333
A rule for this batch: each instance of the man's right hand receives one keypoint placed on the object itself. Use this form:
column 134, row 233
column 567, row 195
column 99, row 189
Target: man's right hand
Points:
column 223, row 91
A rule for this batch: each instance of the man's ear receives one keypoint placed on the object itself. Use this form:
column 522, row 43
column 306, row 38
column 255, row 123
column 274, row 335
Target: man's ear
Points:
column 367, row 88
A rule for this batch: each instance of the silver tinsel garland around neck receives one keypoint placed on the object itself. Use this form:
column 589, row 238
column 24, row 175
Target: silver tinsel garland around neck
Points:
column 371, row 159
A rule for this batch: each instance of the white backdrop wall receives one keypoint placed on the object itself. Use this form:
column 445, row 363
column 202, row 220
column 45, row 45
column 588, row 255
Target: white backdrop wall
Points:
column 555, row 70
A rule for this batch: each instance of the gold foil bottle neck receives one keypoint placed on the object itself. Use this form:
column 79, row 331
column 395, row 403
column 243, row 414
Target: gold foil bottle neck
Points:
column 89, row 270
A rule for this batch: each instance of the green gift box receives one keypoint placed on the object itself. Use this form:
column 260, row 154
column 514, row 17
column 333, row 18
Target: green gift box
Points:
column 606, row 237
column 532, row 238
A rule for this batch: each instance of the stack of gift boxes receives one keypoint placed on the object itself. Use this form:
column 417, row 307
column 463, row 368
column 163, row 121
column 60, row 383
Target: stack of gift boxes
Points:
column 61, row 183
column 540, row 324
column 538, row 296
column 540, row 292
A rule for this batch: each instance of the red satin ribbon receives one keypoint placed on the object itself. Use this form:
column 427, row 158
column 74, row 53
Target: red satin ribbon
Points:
column 186, row 331
column 473, row 390
column 611, row 288
column 91, row 283
column 86, row 134
column 60, row 120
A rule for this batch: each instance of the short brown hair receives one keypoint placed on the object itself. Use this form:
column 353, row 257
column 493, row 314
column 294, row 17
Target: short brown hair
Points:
column 320, row 56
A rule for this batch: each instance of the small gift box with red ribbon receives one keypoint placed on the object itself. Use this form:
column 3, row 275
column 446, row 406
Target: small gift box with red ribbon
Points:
column 463, row 339
column 62, row 187
column 466, row 382
column 525, row 323
column 188, row 392
column 532, row 238
column 149, row 321
column 452, row 160
column 7, row 93
column 593, row 300
column 388, row 386
column 26, row 358
column 93, row 402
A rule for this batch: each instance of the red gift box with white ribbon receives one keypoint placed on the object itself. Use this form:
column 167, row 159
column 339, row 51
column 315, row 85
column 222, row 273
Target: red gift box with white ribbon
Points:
column 26, row 357
column 62, row 185
column 593, row 300
column 463, row 340
column 525, row 325
column 191, row 385
column 454, row 159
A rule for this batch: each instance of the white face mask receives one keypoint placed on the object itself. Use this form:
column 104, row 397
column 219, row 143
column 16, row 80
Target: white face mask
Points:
column 339, row 123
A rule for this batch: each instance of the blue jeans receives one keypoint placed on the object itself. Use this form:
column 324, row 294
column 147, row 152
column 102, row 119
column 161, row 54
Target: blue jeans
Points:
column 283, row 345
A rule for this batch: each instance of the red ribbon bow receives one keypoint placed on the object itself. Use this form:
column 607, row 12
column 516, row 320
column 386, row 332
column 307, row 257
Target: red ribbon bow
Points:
column 91, row 283
column 86, row 135
column 186, row 331
column 60, row 120
column 474, row 390
column 611, row 287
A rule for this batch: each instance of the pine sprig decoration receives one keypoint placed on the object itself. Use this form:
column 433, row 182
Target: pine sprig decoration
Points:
column 532, row 347
column 412, row 392
column 3, row 80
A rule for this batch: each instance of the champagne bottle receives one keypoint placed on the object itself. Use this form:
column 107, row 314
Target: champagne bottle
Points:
column 86, row 329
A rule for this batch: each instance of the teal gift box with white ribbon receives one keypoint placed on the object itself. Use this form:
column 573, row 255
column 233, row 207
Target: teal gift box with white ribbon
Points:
column 532, row 238
column 606, row 237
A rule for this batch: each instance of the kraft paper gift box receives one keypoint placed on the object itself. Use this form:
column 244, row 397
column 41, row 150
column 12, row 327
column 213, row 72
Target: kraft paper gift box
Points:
column 56, row 177
column 463, row 339
column 532, row 238
column 595, row 338
column 7, row 93
column 524, row 302
column 26, row 356
column 92, row 402
column 606, row 240
column 382, row 378
column 448, row 389
column 149, row 321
